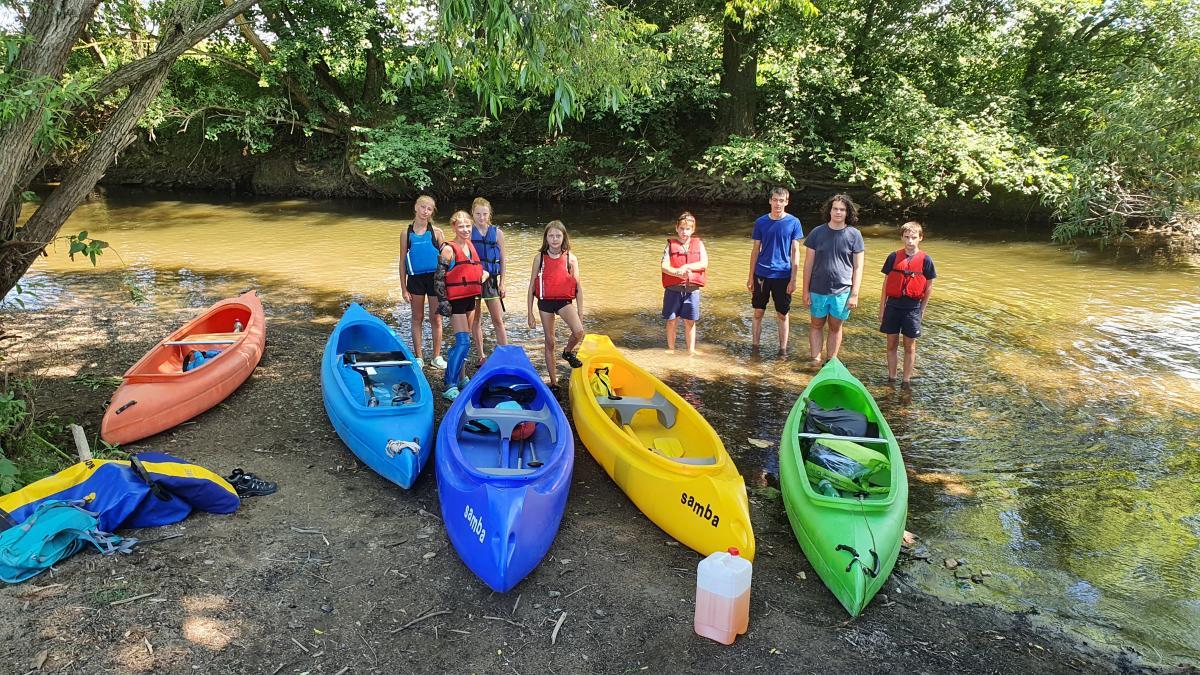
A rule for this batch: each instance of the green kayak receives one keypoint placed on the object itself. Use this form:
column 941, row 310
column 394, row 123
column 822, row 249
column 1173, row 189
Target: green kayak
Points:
column 846, row 495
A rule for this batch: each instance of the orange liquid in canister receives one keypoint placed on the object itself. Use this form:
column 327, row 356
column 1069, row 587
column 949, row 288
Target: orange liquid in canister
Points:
column 722, row 618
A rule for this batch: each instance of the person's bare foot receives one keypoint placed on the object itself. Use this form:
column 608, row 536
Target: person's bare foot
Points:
column 670, row 350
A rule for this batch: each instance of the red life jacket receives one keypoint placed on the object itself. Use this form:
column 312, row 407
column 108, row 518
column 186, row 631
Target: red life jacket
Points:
column 680, row 256
column 465, row 279
column 554, row 280
column 907, row 278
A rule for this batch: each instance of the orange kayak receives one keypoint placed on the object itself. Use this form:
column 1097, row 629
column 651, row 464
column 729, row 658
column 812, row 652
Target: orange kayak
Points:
column 190, row 371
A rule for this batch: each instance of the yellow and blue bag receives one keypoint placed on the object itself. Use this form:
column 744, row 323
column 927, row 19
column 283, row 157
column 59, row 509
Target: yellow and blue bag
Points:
column 150, row 489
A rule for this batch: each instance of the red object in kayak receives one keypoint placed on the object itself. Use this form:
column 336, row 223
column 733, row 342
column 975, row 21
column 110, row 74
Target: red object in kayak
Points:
column 158, row 393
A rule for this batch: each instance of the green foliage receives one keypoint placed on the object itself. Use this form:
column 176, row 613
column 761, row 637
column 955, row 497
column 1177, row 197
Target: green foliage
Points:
column 95, row 382
column 1140, row 161
column 911, row 151
column 572, row 52
column 83, row 244
column 403, row 150
column 13, row 411
column 28, row 450
column 759, row 164
column 1087, row 106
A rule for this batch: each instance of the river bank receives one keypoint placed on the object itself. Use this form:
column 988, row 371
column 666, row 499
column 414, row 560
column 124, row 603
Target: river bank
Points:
column 189, row 162
column 335, row 570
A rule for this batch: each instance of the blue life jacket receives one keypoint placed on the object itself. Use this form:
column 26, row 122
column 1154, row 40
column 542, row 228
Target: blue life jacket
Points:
column 197, row 358
column 56, row 530
column 488, row 249
column 422, row 254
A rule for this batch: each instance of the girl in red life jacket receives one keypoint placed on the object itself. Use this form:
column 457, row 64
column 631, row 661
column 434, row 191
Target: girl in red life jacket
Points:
column 459, row 279
column 554, row 281
column 684, row 273
column 907, row 284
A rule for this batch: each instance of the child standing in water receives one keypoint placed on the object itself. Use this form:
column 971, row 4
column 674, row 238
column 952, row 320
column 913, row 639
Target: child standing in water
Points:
column 420, row 245
column 907, row 285
column 833, row 265
column 684, row 272
column 489, row 243
column 459, row 280
column 555, row 283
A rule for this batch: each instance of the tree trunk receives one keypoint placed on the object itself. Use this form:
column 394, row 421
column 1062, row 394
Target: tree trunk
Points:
column 739, row 80
column 53, row 36
column 376, row 73
column 52, row 29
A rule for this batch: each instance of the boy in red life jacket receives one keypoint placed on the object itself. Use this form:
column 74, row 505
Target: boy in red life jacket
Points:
column 907, row 285
column 459, row 282
column 684, row 273
column 554, row 282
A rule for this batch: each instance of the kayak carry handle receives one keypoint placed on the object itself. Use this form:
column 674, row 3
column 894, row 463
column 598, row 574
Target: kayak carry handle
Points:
column 869, row 571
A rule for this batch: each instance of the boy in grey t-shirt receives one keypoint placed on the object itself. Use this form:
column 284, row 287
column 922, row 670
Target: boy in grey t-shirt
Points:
column 833, row 265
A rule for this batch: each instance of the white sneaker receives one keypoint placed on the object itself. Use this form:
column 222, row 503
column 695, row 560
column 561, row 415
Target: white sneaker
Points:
column 439, row 362
column 420, row 362
column 450, row 394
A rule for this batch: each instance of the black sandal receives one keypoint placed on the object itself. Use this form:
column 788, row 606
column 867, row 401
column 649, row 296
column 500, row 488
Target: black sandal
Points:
column 572, row 359
column 249, row 485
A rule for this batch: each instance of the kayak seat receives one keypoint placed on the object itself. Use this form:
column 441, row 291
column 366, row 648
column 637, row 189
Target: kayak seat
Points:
column 358, row 360
column 672, row 449
column 506, row 420
column 502, row 471
column 628, row 406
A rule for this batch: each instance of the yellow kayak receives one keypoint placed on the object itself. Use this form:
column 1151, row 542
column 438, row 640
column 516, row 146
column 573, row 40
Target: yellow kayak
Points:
column 660, row 451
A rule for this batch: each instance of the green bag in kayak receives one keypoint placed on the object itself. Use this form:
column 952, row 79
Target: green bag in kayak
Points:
column 845, row 464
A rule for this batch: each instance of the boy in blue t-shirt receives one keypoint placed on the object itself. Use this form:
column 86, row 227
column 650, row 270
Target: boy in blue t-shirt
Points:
column 774, row 263
column 833, row 266
column 907, row 285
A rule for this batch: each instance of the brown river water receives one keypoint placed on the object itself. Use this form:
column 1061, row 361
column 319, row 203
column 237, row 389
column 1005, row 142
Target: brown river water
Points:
column 1052, row 435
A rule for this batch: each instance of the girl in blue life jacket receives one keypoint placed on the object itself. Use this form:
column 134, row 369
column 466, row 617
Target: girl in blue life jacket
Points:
column 489, row 243
column 420, row 245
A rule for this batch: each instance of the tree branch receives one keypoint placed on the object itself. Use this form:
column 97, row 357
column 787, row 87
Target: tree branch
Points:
column 138, row 70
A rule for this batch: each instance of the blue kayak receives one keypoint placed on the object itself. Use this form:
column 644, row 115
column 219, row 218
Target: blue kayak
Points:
column 504, row 461
column 377, row 398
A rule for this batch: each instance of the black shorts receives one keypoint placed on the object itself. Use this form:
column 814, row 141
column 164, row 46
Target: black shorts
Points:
column 552, row 306
column 420, row 284
column 464, row 305
column 905, row 320
column 776, row 290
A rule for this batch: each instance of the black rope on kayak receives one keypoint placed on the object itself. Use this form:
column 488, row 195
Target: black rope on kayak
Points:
column 873, row 570
column 869, row 571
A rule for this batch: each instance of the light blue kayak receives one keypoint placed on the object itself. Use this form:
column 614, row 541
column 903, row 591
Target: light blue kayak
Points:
column 504, row 462
column 376, row 397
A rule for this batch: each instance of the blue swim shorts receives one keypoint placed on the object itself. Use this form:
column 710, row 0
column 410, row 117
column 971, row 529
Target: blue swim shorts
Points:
column 830, row 305
column 681, row 305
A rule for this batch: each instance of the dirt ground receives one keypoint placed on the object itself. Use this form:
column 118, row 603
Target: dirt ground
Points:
column 342, row 572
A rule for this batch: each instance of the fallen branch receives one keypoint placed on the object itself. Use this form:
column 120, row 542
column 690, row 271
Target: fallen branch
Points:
column 576, row 591
column 419, row 620
column 557, row 624
column 302, row 647
column 135, row 598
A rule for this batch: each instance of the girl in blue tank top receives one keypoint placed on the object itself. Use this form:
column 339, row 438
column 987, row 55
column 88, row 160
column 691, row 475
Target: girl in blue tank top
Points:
column 420, row 244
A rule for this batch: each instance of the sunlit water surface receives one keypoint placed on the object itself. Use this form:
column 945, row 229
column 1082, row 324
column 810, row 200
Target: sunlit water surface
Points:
column 1051, row 437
